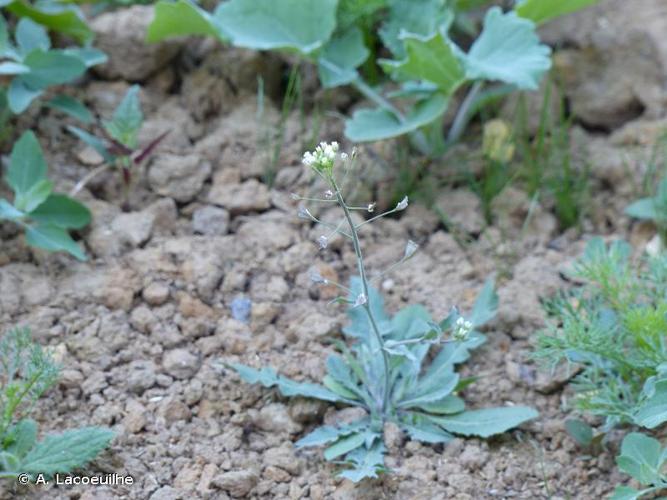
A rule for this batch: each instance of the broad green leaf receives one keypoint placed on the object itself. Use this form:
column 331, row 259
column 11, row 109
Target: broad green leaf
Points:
column 350, row 11
column 345, row 445
column 53, row 239
column 416, row 17
column 67, row 451
column 580, row 431
column 51, row 68
column 486, row 422
column 341, row 373
column 72, row 107
column 430, row 389
column 127, row 119
column 647, row 209
column 425, row 431
column 26, row 165
column 22, row 436
column 628, row 493
column 377, row 124
column 269, row 378
column 640, row 457
column 66, row 20
column 448, row 405
column 8, row 211
column 61, row 211
column 365, row 462
column 31, row 36
column 486, row 305
column 333, row 385
column 541, row 11
column 179, row 19
column 429, row 59
column 303, row 25
column 12, row 68
column 4, row 36
column 327, row 434
column 653, row 411
column 340, row 57
column 90, row 56
column 34, row 196
column 509, row 50
column 94, row 142
column 19, row 95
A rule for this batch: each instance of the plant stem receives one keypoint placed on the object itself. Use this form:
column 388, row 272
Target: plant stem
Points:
column 364, row 282
column 462, row 115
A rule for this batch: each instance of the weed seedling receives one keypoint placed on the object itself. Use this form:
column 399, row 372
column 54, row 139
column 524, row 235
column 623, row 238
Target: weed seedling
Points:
column 653, row 208
column 26, row 372
column 644, row 459
column 388, row 369
column 45, row 216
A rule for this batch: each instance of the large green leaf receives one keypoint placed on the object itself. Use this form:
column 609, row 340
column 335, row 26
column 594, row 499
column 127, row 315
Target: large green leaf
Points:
column 327, row 434
column 653, row 411
column 641, row 458
column 30, row 36
column 628, row 493
column 34, row 197
column 486, row 422
column 647, row 209
column 429, row 59
column 179, row 19
column 303, row 25
column 540, row 11
column 27, row 166
column 448, row 405
column 509, row 50
column 61, row 211
column 53, row 239
column 51, row 68
column 345, row 445
column 377, row 124
column 64, row 19
column 430, row 389
column 416, row 17
column 19, row 95
column 340, row 57
column 67, row 451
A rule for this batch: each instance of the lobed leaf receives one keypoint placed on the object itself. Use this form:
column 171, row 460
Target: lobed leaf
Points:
column 366, row 462
column 640, row 457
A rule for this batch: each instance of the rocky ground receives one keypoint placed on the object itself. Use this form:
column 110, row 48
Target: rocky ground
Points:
column 143, row 329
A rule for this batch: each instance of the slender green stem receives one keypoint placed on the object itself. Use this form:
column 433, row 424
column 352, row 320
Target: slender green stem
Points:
column 364, row 282
column 463, row 114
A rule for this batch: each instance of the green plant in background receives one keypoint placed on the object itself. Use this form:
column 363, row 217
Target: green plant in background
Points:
column 45, row 216
column 35, row 66
column 613, row 329
column 387, row 370
column 341, row 38
column 653, row 208
column 118, row 140
column 26, row 372
column 643, row 458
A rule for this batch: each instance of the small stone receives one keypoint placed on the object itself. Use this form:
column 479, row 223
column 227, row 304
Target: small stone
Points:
column 135, row 418
column 276, row 474
column 143, row 319
column 213, row 221
column 174, row 410
column 166, row 493
column 250, row 196
column 88, row 156
column 275, row 418
column 186, row 478
column 156, row 293
column 178, row 177
column 207, row 474
column 70, row 378
column 140, row 375
column 237, row 483
column 181, row 363
column 306, row 411
column 462, row 208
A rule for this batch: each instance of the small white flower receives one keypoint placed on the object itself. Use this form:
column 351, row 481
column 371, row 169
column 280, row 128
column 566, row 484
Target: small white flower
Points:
column 328, row 194
column 403, row 204
column 371, row 207
column 323, row 242
column 462, row 329
column 309, row 159
column 343, row 156
column 410, row 248
column 361, row 300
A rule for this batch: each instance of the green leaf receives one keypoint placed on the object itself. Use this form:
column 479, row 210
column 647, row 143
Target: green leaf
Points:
column 580, row 431
column 8, row 211
column 340, row 57
column 67, row 451
column 509, row 50
column 486, row 422
column 26, row 165
column 377, row 124
column 179, row 19
column 65, row 19
column 20, row 95
column 269, row 378
column 430, row 389
column 303, row 25
column 351, row 11
column 429, row 59
column 127, row 119
column 22, row 437
column 53, row 239
column 12, row 68
column 647, row 209
column 5, row 44
column 31, row 36
column 541, row 11
column 94, row 142
column 34, row 197
column 61, row 211
column 327, row 434
column 653, row 411
column 486, row 305
column 343, row 375
column 359, row 326
column 345, row 445
column 417, row 17
column 72, row 107
column 88, row 55
column 448, row 405
column 366, row 462
column 51, row 68
column 420, row 429
column 640, row 458
column 627, row 493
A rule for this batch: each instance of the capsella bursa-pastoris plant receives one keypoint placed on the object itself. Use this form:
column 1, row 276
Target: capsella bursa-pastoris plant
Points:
column 386, row 368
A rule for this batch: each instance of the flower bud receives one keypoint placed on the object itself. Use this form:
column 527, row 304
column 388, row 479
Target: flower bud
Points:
column 323, row 242
column 403, row 204
column 410, row 249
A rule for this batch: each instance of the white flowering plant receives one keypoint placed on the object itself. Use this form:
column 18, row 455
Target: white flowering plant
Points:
column 399, row 369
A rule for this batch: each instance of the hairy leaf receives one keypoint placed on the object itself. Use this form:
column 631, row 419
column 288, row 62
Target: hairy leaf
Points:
column 486, row 305
column 327, row 434
column 486, row 422
column 366, row 462
column 345, row 445
column 21, row 437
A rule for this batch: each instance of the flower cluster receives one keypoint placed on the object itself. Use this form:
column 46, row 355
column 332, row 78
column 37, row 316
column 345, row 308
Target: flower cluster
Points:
column 323, row 158
column 462, row 329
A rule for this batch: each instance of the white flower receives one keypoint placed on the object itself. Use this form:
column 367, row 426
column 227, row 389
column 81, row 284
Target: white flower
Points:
column 323, row 242
column 323, row 158
column 361, row 300
column 343, row 156
column 309, row 159
column 304, row 213
column 371, row 207
column 328, row 194
column 410, row 248
column 403, row 204
column 462, row 329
